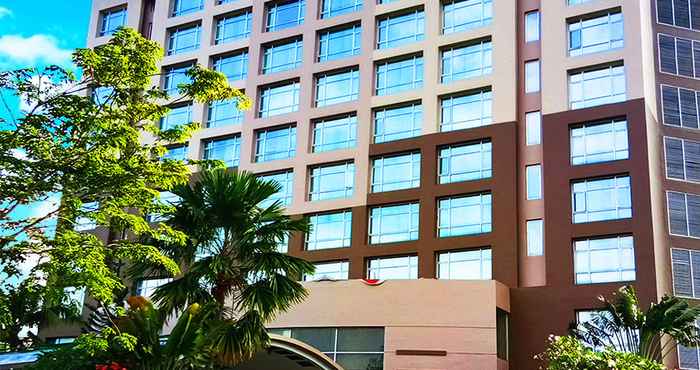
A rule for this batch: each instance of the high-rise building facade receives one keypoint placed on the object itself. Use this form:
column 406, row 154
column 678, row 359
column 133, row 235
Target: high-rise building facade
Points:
column 490, row 167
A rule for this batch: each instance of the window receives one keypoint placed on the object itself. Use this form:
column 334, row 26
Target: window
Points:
column 329, row 271
column 282, row 56
column 233, row 27
column 464, row 215
column 534, row 181
column 532, row 26
column 286, row 182
column 596, row 319
column 604, row 260
column 331, row 8
column 679, row 56
column 176, row 153
column 111, row 20
column 177, row 116
column 679, row 13
column 182, row 7
column 165, row 199
column 387, row 268
column 278, row 143
column 329, row 230
column 102, row 95
column 680, row 106
column 464, row 162
column 183, row 39
column 285, row 14
column 688, row 357
column 686, row 272
column 83, row 222
column 279, row 99
column 227, row 150
column 233, row 66
column 400, row 29
column 461, row 15
column 394, row 223
column 146, row 287
column 399, row 75
column 601, row 199
column 535, row 237
column 599, row 142
column 465, row 265
column 684, row 214
column 335, row 133
column 576, row 2
column 337, row 87
column 466, row 111
column 339, row 43
column 532, row 76
column 396, row 172
column 596, row 34
column 332, row 181
column 682, row 159
column 398, row 123
column 174, row 76
column 351, row 348
column 598, row 86
column 61, row 340
column 533, row 128
column 463, row 62
column 223, row 113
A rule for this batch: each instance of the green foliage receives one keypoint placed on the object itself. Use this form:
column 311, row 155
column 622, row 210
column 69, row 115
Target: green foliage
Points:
column 231, row 258
column 567, row 353
column 91, row 139
column 134, row 342
column 624, row 325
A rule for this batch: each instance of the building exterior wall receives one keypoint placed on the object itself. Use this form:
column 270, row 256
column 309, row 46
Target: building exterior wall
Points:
column 543, row 295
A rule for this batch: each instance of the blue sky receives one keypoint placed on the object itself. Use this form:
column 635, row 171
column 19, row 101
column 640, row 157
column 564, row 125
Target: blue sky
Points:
column 41, row 31
column 38, row 33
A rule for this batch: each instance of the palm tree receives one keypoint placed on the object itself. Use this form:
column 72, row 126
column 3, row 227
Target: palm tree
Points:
column 623, row 325
column 232, row 258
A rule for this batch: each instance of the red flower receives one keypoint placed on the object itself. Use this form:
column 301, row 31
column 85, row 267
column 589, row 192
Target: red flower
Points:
column 112, row 366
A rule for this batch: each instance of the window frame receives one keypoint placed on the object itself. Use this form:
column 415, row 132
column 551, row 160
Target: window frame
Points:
column 411, row 265
column 451, row 54
column 183, row 31
column 614, row 131
column 323, row 80
column 235, row 144
column 411, row 210
column 348, row 189
column 415, row 15
column 485, row 151
column 485, row 205
column 273, row 8
column 484, row 258
column 614, row 189
column 287, row 47
column 318, row 142
column 345, row 240
column 262, row 142
column 378, row 168
column 274, row 90
column 620, row 247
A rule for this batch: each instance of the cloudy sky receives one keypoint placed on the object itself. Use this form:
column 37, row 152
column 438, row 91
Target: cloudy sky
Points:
column 40, row 32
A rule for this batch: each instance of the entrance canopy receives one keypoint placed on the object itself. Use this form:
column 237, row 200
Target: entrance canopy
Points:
column 289, row 354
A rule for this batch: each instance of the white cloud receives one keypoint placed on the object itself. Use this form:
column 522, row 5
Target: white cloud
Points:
column 27, row 51
column 4, row 12
column 47, row 88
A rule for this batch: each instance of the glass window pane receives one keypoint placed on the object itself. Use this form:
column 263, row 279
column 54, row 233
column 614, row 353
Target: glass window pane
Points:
column 335, row 133
column 462, row 15
column 340, row 43
column 396, row 30
column 535, row 237
column 534, row 182
column 532, row 26
column 399, row 75
column 465, row 162
column 396, row 172
column 464, row 215
column 332, row 181
column 329, row 230
column 463, row 62
column 280, row 99
column 391, row 224
column 398, row 123
column 337, row 87
column 465, row 111
column 533, row 127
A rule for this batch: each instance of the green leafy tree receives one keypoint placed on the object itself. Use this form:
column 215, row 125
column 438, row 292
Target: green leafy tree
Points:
column 623, row 325
column 568, row 353
column 94, row 138
column 231, row 258
column 134, row 342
